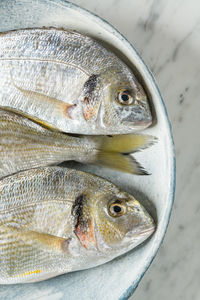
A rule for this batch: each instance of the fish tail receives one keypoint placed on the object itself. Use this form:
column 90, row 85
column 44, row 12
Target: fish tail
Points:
column 128, row 143
column 114, row 152
column 120, row 162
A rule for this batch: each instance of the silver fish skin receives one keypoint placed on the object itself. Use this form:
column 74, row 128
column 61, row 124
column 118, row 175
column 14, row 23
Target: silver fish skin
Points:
column 70, row 82
column 25, row 144
column 56, row 220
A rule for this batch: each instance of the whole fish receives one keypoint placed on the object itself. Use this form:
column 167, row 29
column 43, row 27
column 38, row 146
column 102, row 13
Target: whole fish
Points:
column 56, row 220
column 25, row 144
column 69, row 81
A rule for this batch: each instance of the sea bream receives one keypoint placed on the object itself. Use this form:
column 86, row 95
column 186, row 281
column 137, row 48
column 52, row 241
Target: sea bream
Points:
column 69, row 81
column 56, row 220
column 25, row 144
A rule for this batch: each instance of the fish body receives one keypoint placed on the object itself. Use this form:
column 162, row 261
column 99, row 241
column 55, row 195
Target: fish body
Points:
column 25, row 144
column 70, row 82
column 56, row 220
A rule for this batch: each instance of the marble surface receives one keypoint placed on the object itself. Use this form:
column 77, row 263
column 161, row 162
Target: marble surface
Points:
column 154, row 191
column 167, row 36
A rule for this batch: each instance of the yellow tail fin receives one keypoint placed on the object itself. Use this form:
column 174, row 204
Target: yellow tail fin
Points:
column 120, row 162
column 113, row 149
column 127, row 143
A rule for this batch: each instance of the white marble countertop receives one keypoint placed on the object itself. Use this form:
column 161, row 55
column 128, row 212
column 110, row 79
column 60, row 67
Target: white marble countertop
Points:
column 167, row 36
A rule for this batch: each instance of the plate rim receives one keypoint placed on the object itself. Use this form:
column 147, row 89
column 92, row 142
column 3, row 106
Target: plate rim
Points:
column 172, row 159
column 171, row 195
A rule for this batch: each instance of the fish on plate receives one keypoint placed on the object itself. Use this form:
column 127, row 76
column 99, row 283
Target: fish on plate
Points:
column 25, row 144
column 55, row 220
column 69, row 81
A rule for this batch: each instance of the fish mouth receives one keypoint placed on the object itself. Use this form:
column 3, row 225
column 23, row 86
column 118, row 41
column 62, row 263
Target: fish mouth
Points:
column 139, row 124
column 142, row 233
column 148, row 231
column 137, row 237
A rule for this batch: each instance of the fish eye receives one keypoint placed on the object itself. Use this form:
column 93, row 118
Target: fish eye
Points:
column 124, row 97
column 116, row 208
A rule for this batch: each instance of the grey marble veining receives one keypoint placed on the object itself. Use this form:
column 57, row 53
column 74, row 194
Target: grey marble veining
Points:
column 167, row 36
column 118, row 278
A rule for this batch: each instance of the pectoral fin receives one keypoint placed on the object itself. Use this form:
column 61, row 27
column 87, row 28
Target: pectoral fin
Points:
column 41, row 100
column 46, row 241
column 41, row 240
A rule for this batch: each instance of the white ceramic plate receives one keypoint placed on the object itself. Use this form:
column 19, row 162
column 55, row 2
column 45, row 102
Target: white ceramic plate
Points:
column 119, row 278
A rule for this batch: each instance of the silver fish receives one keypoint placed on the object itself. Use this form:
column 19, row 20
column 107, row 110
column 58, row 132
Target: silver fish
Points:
column 69, row 81
column 55, row 220
column 25, row 144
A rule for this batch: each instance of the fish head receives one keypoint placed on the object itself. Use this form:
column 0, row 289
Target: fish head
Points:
column 125, row 106
column 113, row 223
column 122, row 222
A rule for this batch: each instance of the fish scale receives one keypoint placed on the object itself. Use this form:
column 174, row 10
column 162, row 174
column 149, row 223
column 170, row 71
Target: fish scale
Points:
column 25, row 144
column 43, row 74
column 56, row 220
